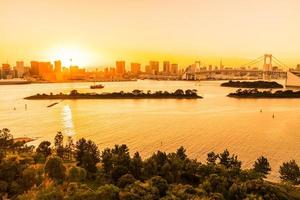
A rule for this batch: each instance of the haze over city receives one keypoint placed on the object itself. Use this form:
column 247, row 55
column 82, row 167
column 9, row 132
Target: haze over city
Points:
column 99, row 32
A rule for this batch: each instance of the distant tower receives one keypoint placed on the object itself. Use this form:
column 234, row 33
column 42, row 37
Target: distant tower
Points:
column 267, row 62
column 221, row 64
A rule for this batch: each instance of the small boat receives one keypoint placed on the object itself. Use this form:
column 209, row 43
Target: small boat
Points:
column 97, row 86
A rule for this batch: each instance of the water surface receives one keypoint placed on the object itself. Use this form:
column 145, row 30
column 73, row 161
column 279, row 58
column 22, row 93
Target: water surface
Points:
column 200, row 125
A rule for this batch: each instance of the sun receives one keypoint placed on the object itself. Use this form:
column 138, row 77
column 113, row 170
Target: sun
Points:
column 71, row 56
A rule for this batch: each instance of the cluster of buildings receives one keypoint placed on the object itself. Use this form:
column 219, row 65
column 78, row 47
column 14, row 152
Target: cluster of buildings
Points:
column 55, row 72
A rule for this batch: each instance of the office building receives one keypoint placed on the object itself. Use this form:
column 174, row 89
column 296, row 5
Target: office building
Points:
column 19, row 69
column 135, row 68
column 154, row 67
column 166, row 67
column 120, row 68
column 6, row 71
column 57, row 66
column 174, row 69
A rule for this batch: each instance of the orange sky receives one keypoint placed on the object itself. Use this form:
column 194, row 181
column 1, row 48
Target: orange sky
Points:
column 97, row 32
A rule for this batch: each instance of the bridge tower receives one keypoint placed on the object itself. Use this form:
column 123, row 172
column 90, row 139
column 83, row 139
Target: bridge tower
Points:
column 267, row 71
column 267, row 62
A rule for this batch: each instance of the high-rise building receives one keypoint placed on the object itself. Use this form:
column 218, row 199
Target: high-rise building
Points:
column 135, row 68
column 57, row 66
column 154, row 67
column 34, row 65
column 45, row 67
column 174, row 69
column 221, row 65
column 166, row 67
column 120, row 67
column 20, row 64
column 20, row 69
column 6, row 71
column 40, row 68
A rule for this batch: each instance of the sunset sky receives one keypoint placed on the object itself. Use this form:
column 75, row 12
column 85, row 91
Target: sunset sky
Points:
column 98, row 32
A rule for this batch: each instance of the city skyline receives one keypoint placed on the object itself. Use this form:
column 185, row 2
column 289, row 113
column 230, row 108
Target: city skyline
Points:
column 182, row 31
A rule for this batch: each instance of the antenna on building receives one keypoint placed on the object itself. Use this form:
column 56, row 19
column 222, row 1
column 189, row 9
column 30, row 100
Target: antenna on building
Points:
column 70, row 62
column 221, row 63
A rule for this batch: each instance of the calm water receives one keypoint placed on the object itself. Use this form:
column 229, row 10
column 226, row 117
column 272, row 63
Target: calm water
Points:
column 210, row 124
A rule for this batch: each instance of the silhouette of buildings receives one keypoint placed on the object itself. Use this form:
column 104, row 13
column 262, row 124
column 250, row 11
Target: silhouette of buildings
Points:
column 120, row 68
column 166, row 67
column 174, row 69
column 19, row 69
column 135, row 68
column 57, row 66
column 154, row 67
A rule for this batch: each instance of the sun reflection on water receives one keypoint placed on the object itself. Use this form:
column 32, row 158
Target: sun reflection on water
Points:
column 67, row 121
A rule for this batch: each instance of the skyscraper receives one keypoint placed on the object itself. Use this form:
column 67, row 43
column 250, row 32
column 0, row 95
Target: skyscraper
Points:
column 120, row 67
column 57, row 66
column 34, row 65
column 174, row 68
column 6, row 70
column 166, row 67
column 20, row 69
column 154, row 67
column 135, row 68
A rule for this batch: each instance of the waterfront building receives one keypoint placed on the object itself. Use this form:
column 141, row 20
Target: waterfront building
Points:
column 45, row 67
column 6, row 71
column 174, row 69
column 135, row 68
column 34, row 68
column 120, row 68
column 57, row 66
column 166, row 67
column 154, row 67
column 41, row 69
column 45, row 71
column 19, row 69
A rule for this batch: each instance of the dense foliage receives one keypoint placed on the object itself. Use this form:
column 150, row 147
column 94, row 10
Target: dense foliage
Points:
column 135, row 94
column 252, row 84
column 69, row 171
column 254, row 93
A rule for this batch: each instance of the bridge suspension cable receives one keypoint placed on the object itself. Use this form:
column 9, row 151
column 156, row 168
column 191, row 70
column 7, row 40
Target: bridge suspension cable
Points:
column 259, row 59
column 280, row 63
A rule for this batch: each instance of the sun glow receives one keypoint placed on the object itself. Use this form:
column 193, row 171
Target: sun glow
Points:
column 71, row 56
